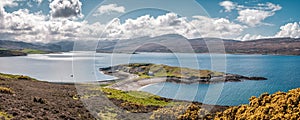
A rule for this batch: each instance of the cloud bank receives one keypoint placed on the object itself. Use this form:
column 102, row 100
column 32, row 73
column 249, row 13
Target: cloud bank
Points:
column 62, row 23
column 289, row 30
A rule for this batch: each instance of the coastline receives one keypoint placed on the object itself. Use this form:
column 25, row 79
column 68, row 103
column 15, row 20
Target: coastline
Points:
column 133, row 76
column 226, row 53
column 134, row 85
column 47, row 100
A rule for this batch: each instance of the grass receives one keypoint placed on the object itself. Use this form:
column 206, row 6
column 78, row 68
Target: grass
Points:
column 5, row 115
column 144, row 76
column 7, row 76
column 20, row 77
column 136, row 97
column 33, row 51
column 6, row 52
column 6, row 90
column 169, row 71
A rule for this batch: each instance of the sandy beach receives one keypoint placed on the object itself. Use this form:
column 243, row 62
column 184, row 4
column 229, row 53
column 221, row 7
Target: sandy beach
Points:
column 131, row 82
column 135, row 84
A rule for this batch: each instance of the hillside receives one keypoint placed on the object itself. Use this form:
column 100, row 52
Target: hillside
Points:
column 43, row 100
column 167, row 43
column 177, row 43
column 276, row 106
column 47, row 47
column 23, row 98
column 6, row 53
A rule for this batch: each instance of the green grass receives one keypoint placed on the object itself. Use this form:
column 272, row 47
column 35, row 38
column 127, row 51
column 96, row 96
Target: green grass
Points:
column 9, row 76
column 5, row 115
column 33, row 51
column 143, row 76
column 136, row 97
column 169, row 71
column 20, row 77
column 3, row 49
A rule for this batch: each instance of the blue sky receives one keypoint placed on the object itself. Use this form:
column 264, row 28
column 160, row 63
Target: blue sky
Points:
column 235, row 19
column 288, row 13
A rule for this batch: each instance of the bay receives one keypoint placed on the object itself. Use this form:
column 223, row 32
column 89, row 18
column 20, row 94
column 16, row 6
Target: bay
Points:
column 282, row 72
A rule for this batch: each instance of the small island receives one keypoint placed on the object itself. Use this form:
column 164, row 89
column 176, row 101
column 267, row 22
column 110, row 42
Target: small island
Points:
column 136, row 75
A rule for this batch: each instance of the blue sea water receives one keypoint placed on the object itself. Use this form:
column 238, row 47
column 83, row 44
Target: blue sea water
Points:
column 282, row 72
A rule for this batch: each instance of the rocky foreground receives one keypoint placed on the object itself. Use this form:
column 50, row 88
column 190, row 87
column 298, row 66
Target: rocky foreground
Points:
column 22, row 97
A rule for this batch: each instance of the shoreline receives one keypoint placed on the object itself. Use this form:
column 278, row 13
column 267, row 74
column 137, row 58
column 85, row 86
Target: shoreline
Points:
column 133, row 76
column 273, row 54
column 135, row 85
column 45, row 100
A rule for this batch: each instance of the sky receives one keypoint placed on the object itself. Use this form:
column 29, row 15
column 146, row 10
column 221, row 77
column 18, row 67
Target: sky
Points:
column 55, row 20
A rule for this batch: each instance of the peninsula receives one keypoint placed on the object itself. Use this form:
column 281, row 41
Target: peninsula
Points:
column 136, row 75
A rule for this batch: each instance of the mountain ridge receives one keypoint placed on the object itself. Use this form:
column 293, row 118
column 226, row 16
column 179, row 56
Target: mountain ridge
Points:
column 168, row 43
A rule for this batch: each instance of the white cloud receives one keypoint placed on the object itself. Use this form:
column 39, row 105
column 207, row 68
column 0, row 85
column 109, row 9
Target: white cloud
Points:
column 36, row 27
column 228, row 5
column 10, row 3
column 2, row 14
column 171, row 23
column 23, row 25
column 146, row 26
column 217, row 27
column 269, row 6
column 33, row 2
column 108, row 9
column 65, row 8
column 252, row 37
column 289, row 30
column 26, row 26
column 253, row 17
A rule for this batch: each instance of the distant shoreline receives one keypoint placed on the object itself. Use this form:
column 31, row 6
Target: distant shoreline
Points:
column 271, row 54
column 26, row 54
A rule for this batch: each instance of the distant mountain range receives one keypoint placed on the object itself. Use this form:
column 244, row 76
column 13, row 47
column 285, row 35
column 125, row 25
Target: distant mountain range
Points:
column 167, row 43
column 49, row 47
column 177, row 43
